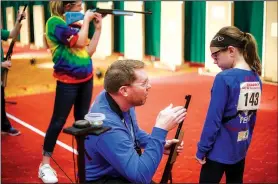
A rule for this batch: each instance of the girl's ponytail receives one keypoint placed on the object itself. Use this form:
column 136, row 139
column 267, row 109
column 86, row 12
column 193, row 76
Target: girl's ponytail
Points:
column 250, row 53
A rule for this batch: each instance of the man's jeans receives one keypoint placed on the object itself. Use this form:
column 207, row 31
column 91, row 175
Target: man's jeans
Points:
column 5, row 123
column 67, row 95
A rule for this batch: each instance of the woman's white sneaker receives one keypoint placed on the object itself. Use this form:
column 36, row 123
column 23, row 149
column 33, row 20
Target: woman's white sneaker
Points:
column 47, row 174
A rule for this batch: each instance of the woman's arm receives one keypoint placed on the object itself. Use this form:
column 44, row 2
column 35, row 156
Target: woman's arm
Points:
column 15, row 31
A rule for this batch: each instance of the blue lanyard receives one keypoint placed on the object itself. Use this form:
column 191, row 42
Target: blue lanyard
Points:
column 129, row 124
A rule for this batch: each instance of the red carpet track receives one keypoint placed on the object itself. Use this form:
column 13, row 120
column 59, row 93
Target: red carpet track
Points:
column 21, row 155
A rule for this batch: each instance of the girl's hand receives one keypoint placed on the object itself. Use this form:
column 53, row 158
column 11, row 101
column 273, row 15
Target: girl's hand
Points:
column 89, row 15
column 97, row 21
column 202, row 162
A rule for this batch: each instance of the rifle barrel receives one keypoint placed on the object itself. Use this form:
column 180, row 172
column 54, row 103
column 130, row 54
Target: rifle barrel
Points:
column 22, row 12
column 117, row 12
column 112, row 11
column 142, row 12
column 188, row 98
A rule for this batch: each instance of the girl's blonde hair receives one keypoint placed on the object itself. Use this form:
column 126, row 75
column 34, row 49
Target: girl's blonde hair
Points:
column 57, row 8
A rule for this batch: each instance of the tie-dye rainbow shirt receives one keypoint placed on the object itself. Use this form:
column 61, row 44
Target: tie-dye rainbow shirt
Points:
column 71, row 64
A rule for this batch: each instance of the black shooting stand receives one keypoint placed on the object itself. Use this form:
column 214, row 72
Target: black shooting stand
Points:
column 80, row 135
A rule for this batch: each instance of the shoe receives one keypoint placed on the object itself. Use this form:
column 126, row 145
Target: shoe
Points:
column 12, row 132
column 47, row 174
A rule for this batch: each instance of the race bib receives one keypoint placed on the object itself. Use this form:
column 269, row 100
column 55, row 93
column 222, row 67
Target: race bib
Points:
column 249, row 96
column 242, row 136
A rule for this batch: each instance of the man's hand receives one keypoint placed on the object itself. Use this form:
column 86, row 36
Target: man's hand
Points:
column 6, row 64
column 170, row 117
column 201, row 161
column 168, row 146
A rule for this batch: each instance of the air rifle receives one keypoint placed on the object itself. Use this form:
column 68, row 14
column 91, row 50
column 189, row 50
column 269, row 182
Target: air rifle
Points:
column 167, row 174
column 72, row 17
column 4, row 74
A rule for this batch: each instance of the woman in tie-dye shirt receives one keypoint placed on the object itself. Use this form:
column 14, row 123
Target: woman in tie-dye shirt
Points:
column 71, row 53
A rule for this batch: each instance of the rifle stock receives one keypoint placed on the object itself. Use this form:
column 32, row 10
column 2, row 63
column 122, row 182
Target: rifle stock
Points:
column 4, row 74
column 175, row 154
column 167, row 174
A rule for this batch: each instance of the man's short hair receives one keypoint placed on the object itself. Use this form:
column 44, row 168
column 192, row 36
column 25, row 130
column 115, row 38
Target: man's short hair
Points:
column 121, row 73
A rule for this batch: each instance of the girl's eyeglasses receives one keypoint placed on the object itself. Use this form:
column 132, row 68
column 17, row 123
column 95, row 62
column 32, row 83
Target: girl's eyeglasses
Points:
column 215, row 54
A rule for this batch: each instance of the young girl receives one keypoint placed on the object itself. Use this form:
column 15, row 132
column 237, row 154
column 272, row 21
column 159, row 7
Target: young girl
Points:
column 71, row 51
column 235, row 98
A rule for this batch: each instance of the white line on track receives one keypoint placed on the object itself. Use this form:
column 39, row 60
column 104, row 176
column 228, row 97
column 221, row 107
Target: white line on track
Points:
column 63, row 145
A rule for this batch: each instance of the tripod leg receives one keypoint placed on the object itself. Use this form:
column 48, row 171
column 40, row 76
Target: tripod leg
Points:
column 81, row 159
